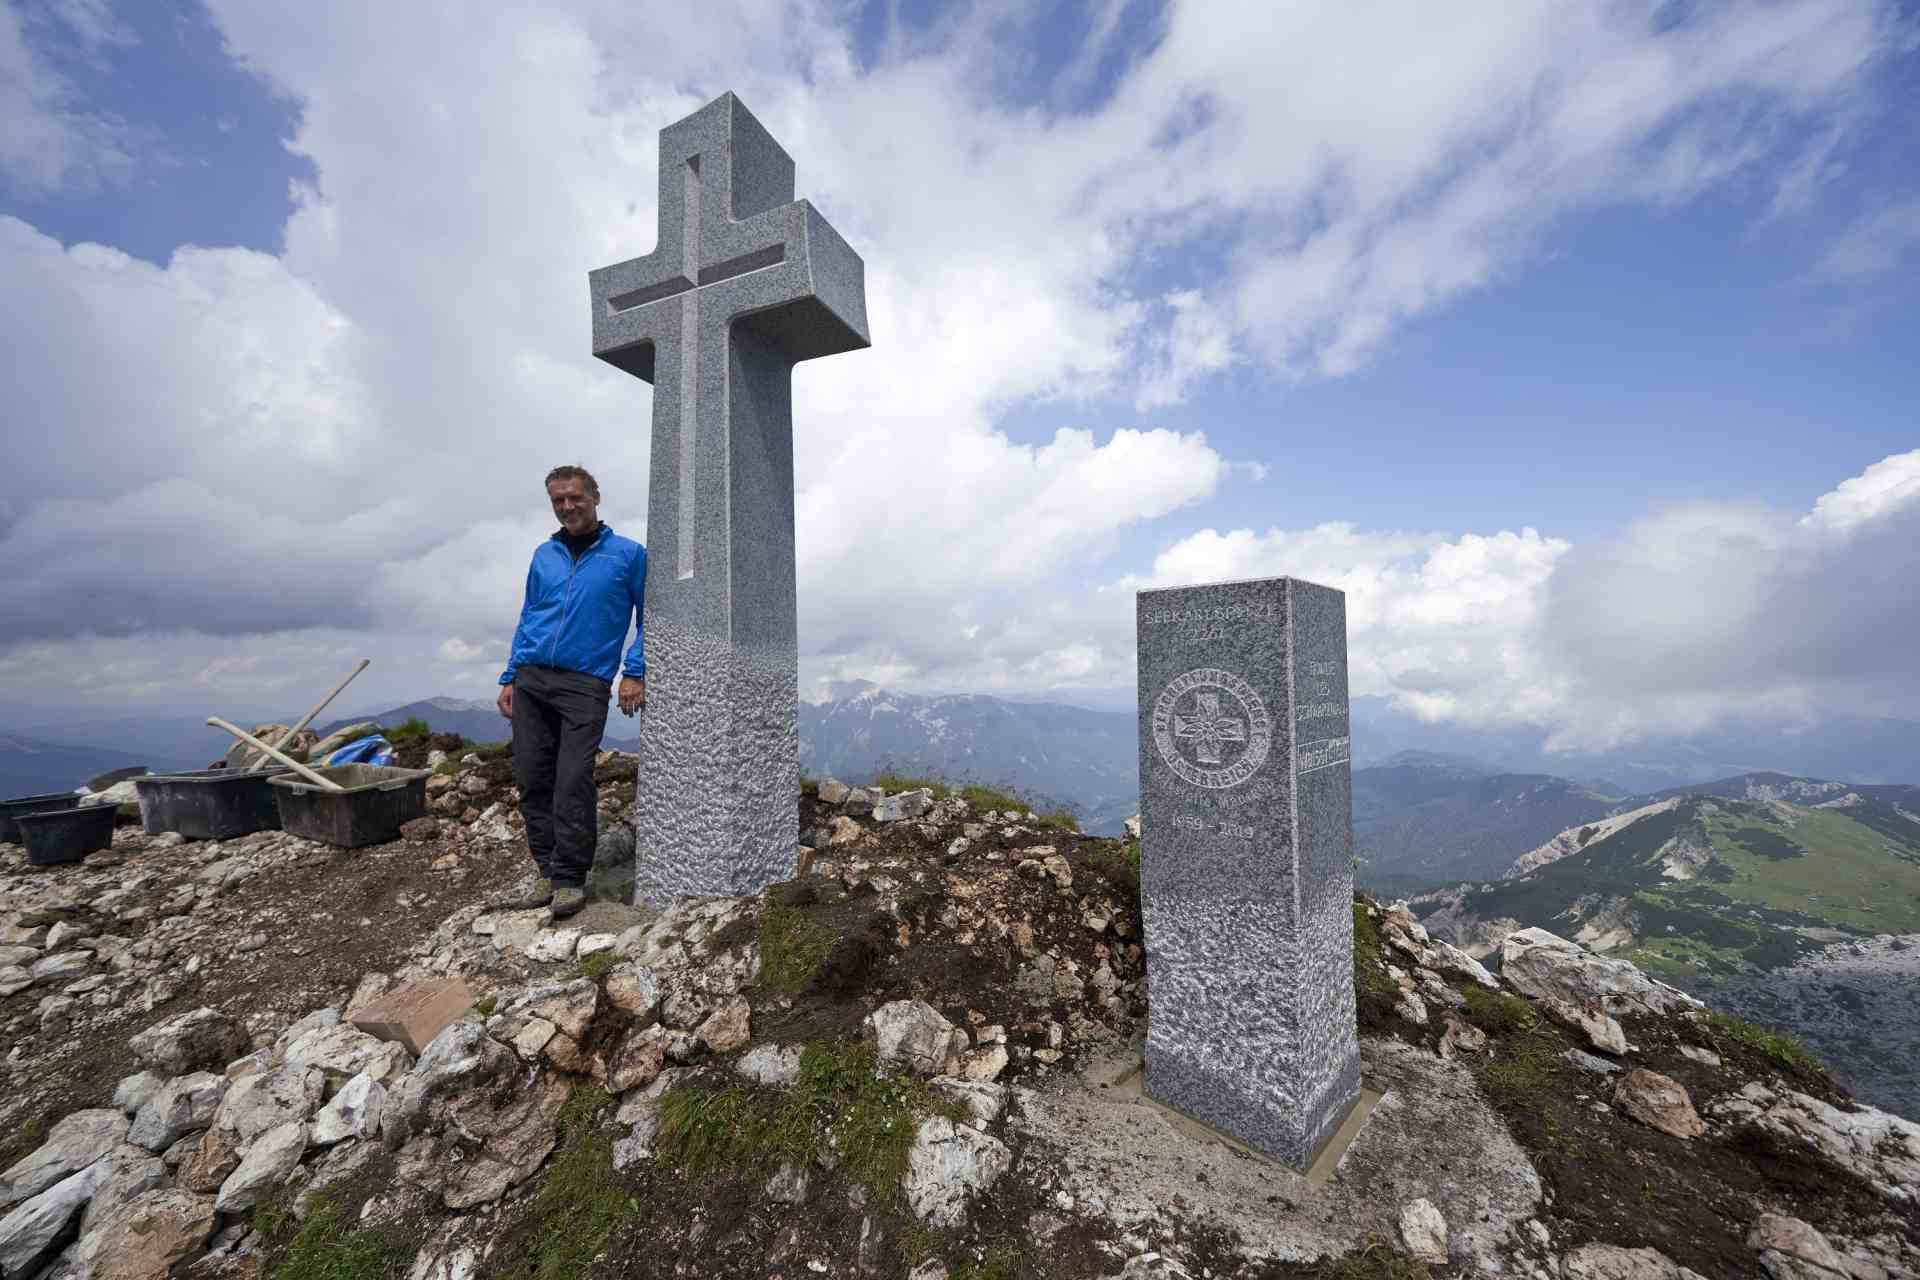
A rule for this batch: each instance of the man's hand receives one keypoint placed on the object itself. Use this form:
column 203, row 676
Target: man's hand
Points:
column 633, row 695
column 506, row 701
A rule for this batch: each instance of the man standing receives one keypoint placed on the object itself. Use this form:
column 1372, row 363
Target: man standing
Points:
column 585, row 586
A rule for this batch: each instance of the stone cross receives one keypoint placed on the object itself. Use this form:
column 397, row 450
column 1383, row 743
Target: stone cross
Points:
column 745, row 282
column 1246, row 846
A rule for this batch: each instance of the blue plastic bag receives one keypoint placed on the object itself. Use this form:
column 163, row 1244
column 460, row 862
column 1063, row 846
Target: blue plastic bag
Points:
column 369, row 750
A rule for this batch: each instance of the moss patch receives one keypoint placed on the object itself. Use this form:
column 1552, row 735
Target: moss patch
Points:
column 581, row 1201
column 1495, row 1012
column 1788, row 1053
column 597, row 965
column 1374, row 1260
column 332, row 1244
column 842, row 1107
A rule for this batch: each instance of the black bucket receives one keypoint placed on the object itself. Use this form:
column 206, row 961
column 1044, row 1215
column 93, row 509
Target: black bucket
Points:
column 375, row 801
column 11, row 809
column 209, row 804
column 66, row 835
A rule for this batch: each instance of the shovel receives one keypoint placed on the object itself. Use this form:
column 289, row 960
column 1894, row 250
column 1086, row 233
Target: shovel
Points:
column 295, row 765
column 307, row 719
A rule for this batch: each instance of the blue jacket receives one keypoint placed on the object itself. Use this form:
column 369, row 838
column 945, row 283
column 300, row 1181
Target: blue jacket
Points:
column 577, row 611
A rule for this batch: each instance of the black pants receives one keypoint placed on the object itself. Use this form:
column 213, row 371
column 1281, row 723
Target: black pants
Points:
column 558, row 718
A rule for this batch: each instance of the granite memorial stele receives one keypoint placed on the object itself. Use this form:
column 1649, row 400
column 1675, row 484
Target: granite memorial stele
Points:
column 745, row 282
column 1246, row 875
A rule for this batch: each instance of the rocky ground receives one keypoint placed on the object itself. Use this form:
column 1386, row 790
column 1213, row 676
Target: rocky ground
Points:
column 918, row 1058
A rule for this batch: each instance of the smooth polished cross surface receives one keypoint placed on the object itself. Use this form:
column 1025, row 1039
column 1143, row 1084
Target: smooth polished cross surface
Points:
column 744, row 282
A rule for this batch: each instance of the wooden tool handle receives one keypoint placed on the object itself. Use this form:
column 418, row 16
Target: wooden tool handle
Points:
column 318, row 707
column 252, row 741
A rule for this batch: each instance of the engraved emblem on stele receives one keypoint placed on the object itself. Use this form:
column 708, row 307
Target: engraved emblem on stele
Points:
column 1212, row 729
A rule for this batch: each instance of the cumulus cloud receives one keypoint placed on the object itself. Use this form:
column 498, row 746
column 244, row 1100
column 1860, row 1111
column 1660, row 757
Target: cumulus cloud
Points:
column 345, row 439
column 1696, row 614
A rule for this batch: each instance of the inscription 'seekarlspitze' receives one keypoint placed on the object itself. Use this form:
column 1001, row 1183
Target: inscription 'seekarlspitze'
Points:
column 1212, row 729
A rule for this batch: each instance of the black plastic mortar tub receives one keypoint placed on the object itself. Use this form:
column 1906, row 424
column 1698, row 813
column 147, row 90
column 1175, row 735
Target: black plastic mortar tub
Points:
column 209, row 804
column 376, row 799
column 12, row 809
column 56, row 836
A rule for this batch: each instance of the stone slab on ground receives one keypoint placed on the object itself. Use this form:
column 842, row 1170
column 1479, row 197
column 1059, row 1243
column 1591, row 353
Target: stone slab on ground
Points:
column 411, row 1016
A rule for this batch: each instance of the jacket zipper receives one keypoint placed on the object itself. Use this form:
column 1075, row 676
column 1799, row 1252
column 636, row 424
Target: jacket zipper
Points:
column 553, row 648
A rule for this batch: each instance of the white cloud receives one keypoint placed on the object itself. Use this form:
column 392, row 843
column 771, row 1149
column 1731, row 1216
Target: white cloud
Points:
column 47, row 142
column 345, row 440
column 1874, row 245
column 1694, row 615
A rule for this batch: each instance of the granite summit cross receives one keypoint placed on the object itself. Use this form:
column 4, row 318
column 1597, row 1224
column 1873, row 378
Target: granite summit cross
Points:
column 744, row 282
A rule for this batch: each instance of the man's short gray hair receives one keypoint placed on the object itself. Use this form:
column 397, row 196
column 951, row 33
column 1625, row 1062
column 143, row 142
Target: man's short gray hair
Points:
column 575, row 473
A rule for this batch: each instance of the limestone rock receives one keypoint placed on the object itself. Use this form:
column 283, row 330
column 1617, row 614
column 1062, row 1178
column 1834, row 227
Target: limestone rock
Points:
column 343, row 1051
column 1881, row 1147
column 1600, row 1029
column 570, row 1006
column 211, row 1162
column 462, row 1057
column 1461, row 1037
column 638, row 1144
column 73, row 1144
column 833, row 791
column 202, row 1038
column 907, row 804
column 267, row 1163
column 771, row 1064
column 127, row 1171
column 1153, row 1266
column 61, row 968
column 1541, row 964
column 913, row 1032
column 353, row 1113
column 29, row 1232
column 1793, row 1250
column 514, row 1139
column 269, row 1099
column 553, row 946
column 1659, row 1101
column 788, row 1185
column 984, row 1102
column 1424, row 1231
column 633, row 989
column 14, row 979
column 984, row 1063
column 1611, row 1262
column 181, row 1106
column 727, row 1028
column 638, row 1060
column 148, row 1236
column 843, row 830
column 513, row 930
column 946, row 1164
column 132, row 1093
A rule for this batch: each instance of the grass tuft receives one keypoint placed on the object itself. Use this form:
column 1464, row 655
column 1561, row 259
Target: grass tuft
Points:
column 1120, row 859
column 332, row 1244
column 581, row 1200
column 1370, row 955
column 980, row 799
column 1497, row 1012
column 597, row 965
column 841, row 1107
column 1791, row 1055
column 413, row 730
column 485, row 1006
column 792, row 945
column 1374, row 1260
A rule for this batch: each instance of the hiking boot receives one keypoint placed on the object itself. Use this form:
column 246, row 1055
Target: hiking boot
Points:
column 568, row 899
column 527, row 895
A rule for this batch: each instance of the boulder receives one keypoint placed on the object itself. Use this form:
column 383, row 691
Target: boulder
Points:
column 984, row 1102
column 126, row 1172
column 132, row 1093
column 29, row 1233
column 1424, row 1231
column 181, row 1106
column 638, row 1060
column 462, row 1057
column 74, row 1143
column 211, row 1162
column 343, row 1051
column 1793, row 1250
column 14, row 979
column 353, row 1113
column 1612, row 1262
column 148, row 1237
column 268, row 1099
column 833, row 791
column 1541, row 964
column 202, row 1038
column 945, row 1165
column 60, row 968
column 1658, row 1101
column 771, row 1064
column 553, row 946
column 514, row 1140
column 912, row 1032
column 907, row 804
column 843, row 830
column 570, row 1006
column 1602, row 1032
column 268, row 1162
column 727, row 1028
column 633, row 989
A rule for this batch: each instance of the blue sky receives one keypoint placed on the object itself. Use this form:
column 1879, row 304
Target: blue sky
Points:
column 1486, row 322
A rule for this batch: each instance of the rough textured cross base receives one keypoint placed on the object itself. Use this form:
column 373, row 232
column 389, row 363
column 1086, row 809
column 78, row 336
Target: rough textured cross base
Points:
column 745, row 282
